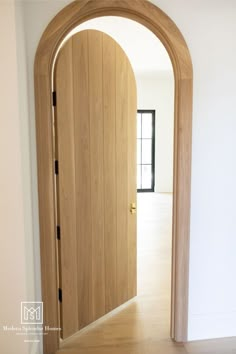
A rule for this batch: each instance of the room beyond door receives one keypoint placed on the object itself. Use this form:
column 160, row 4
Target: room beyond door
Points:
column 95, row 134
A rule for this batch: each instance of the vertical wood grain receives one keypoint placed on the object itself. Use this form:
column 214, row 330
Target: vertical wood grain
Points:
column 66, row 189
column 83, row 177
column 181, row 213
column 96, row 171
column 46, row 194
column 132, row 183
column 122, row 175
column 96, row 95
column 110, row 179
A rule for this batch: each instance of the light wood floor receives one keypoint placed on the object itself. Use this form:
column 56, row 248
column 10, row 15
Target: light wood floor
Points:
column 142, row 326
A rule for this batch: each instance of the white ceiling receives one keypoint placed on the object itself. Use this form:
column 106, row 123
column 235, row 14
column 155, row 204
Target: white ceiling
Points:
column 145, row 51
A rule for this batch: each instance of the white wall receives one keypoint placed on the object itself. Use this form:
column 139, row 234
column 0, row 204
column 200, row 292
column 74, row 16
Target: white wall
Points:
column 209, row 28
column 157, row 92
column 13, row 251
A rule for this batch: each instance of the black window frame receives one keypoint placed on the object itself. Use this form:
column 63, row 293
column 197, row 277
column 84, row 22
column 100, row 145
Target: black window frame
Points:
column 152, row 189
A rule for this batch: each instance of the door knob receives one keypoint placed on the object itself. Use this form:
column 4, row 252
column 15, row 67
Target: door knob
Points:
column 133, row 208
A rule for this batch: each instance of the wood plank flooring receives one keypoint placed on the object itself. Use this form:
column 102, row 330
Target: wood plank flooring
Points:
column 142, row 325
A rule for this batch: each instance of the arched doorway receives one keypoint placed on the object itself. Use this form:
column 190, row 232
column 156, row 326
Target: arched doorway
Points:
column 163, row 27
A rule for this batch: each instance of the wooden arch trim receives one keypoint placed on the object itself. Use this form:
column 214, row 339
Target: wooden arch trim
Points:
column 165, row 29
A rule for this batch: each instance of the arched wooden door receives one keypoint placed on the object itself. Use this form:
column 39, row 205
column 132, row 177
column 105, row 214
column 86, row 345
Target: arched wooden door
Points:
column 95, row 125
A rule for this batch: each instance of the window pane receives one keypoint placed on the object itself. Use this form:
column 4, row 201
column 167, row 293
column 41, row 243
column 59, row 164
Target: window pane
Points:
column 147, row 151
column 139, row 177
column 147, row 125
column 138, row 125
column 139, row 151
column 146, row 176
column 145, row 136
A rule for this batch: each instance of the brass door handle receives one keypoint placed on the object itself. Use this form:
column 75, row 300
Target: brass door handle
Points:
column 132, row 208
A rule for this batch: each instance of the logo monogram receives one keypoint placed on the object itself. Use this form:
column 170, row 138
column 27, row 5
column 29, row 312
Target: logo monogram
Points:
column 31, row 313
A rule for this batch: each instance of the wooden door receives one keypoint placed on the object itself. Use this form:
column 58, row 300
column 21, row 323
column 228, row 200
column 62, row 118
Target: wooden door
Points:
column 95, row 125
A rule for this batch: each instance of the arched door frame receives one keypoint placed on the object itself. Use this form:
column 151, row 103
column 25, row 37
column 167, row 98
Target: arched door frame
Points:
column 165, row 29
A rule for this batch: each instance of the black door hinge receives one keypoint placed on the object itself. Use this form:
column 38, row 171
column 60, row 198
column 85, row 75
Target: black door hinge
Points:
column 58, row 232
column 60, row 294
column 56, row 167
column 54, row 98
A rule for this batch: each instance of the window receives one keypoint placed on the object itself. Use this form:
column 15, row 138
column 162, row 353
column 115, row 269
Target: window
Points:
column 145, row 150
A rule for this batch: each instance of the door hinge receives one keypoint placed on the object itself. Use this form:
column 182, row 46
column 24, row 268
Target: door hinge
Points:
column 58, row 232
column 60, row 294
column 54, row 98
column 56, row 167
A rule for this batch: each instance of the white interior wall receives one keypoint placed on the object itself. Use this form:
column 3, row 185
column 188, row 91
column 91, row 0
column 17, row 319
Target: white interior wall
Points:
column 209, row 29
column 13, row 251
column 157, row 92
